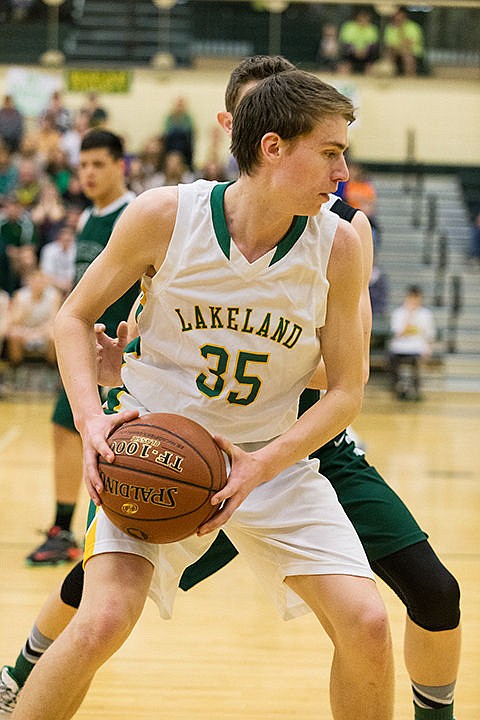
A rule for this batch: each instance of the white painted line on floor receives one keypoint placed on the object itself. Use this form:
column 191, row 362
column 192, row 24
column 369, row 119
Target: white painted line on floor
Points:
column 9, row 437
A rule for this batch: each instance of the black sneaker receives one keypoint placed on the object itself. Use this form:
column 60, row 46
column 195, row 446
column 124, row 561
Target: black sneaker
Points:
column 59, row 547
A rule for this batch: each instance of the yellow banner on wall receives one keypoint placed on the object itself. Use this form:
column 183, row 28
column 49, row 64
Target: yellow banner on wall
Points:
column 102, row 81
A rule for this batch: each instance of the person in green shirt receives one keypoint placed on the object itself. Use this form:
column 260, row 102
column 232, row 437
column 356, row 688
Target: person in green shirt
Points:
column 359, row 41
column 404, row 43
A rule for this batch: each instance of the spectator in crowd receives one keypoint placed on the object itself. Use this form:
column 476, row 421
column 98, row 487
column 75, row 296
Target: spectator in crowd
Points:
column 8, row 279
column 413, row 333
column 4, row 310
column 45, row 137
column 17, row 237
column 359, row 191
column 137, row 177
column 11, row 124
column 175, row 171
column 379, row 292
column 213, row 170
column 58, row 169
column 404, row 43
column 99, row 119
column 47, row 214
column 57, row 259
column 61, row 115
column 91, row 104
column 359, row 41
column 328, row 55
column 8, row 172
column 71, row 140
column 29, row 183
column 179, row 131
column 474, row 249
column 73, row 195
column 4, row 305
column 30, row 324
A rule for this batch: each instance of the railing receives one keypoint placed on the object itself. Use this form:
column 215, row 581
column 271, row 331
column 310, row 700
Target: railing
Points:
column 455, row 308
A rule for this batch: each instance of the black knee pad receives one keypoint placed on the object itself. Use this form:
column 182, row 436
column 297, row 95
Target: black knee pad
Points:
column 72, row 587
column 428, row 590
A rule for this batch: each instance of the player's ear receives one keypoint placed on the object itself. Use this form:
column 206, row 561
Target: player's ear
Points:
column 224, row 119
column 271, row 145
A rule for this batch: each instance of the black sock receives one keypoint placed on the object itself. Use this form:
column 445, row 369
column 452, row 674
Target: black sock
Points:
column 63, row 518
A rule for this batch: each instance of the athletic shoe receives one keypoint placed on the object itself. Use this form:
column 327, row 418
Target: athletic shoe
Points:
column 59, row 547
column 8, row 692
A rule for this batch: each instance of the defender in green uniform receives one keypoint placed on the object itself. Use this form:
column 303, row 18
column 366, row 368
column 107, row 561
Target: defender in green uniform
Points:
column 101, row 174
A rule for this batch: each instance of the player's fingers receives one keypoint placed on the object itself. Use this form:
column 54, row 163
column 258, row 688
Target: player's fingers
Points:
column 122, row 417
column 92, row 479
column 99, row 328
column 219, row 519
column 122, row 333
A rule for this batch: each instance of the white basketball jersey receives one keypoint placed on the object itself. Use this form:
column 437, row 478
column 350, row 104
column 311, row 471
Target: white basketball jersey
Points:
column 226, row 342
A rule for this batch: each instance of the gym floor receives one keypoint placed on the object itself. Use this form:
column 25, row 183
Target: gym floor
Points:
column 226, row 654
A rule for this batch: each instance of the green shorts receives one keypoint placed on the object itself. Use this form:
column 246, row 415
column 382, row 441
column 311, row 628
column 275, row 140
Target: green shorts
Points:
column 62, row 412
column 382, row 521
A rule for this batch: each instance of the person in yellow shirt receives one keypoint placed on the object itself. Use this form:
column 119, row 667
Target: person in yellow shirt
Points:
column 359, row 41
column 404, row 43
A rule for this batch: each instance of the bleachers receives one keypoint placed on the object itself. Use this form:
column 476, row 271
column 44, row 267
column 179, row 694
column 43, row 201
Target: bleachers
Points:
column 425, row 234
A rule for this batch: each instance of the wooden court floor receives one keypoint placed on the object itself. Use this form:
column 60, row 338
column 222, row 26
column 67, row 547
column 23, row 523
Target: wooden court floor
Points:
column 226, row 655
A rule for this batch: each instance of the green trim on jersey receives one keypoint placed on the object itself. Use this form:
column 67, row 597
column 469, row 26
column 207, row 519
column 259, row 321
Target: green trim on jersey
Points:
column 112, row 403
column 223, row 236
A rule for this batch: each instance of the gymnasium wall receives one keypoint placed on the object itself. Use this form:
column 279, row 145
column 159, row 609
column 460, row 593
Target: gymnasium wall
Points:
column 442, row 116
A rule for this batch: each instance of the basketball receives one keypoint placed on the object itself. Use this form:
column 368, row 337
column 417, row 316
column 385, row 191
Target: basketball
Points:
column 166, row 469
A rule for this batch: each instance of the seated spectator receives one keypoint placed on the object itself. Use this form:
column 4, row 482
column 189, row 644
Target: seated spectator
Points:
column 99, row 119
column 179, row 131
column 4, row 310
column 61, row 115
column 4, row 305
column 30, row 325
column 379, row 292
column 91, row 104
column 359, row 41
column 29, row 183
column 474, row 249
column 47, row 214
column 8, row 172
column 413, row 334
column 45, row 137
column 11, row 124
column 57, row 259
column 58, row 169
column 74, row 196
column 17, row 237
column 175, row 171
column 404, row 43
column 359, row 192
column 71, row 140
column 328, row 55
column 213, row 170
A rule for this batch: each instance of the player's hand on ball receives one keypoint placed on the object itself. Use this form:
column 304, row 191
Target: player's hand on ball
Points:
column 94, row 439
column 247, row 472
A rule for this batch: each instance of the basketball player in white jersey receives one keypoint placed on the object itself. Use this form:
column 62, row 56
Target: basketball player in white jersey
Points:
column 251, row 282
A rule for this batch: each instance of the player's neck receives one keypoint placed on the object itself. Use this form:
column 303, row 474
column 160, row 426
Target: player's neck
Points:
column 255, row 226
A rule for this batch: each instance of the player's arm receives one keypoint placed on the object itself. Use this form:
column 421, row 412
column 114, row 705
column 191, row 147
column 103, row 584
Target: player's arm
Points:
column 124, row 260
column 362, row 225
column 342, row 346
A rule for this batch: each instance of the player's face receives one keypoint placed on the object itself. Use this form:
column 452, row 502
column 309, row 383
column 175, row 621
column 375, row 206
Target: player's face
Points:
column 311, row 167
column 99, row 174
